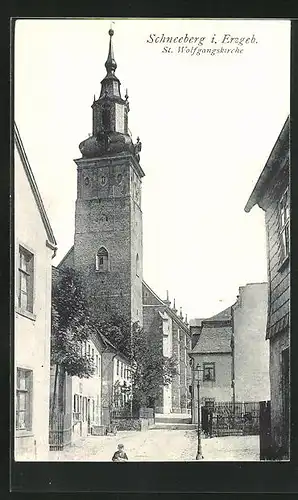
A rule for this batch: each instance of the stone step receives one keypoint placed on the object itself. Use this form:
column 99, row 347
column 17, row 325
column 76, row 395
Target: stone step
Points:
column 174, row 426
column 173, row 420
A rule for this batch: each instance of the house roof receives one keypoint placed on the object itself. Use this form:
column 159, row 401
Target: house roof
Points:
column 221, row 316
column 271, row 167
column 20, row 147
column 214, row 339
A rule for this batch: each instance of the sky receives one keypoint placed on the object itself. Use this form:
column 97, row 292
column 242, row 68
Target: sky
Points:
column 207, row 124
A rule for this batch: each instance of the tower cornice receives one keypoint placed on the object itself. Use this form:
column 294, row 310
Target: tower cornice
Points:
column 106, row 160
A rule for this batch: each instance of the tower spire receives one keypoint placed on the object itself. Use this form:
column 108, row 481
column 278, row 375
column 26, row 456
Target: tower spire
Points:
column 110, row 63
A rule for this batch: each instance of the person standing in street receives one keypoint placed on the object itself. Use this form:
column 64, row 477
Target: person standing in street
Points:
column 120, row 455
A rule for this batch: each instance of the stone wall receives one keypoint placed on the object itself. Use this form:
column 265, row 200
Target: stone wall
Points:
column 132, row 424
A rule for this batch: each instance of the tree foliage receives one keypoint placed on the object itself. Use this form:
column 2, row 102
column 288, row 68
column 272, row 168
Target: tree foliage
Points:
column 118, row 330
column 152, row 370
column 71, row 325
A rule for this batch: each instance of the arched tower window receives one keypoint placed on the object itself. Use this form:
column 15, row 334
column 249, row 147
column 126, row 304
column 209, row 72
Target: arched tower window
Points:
column 102, row 260
column 137, row 265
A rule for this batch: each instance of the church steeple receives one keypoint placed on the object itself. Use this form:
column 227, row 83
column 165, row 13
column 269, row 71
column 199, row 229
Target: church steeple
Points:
column 110, row 132
column 111, row 64
column 110, row 85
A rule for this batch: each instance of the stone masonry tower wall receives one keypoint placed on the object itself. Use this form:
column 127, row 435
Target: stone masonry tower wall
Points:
column 108, row 248
column 109, row 217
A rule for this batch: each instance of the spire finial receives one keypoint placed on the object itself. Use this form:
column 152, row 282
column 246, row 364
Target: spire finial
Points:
column 167, row 290
column 110, row 62
column 174, row 306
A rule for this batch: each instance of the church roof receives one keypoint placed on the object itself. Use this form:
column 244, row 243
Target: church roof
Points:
column 34, row 189
column 157, row 301
column 68, row 257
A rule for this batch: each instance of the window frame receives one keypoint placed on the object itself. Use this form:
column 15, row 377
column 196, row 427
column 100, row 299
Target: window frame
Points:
column 206, row 366
column 137, row 265
column 28, row 309
column 102, row 254
column 96, row 364
column 284, row 225
column 28, row 410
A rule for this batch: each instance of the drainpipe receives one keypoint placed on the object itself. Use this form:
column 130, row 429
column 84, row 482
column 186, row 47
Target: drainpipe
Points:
column 233, row 360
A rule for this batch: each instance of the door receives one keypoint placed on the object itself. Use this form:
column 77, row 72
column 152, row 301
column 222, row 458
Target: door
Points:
column 286, row 398
column 88, row 416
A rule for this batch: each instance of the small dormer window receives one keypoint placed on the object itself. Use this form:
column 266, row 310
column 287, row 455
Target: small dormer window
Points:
column 102, row 260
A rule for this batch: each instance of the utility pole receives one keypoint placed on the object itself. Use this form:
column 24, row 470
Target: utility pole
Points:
column 199, row 450
column 197, row 371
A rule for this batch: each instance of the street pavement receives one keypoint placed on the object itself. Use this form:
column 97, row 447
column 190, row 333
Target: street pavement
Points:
column 160, row 445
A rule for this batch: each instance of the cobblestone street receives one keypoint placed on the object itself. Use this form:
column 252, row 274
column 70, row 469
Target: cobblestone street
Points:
column 161, row 445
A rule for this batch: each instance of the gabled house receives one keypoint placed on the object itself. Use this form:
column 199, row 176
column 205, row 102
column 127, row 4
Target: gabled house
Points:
column 34, row 248
column 231, row 351
column 272, row 194
column 160, row 319
column 213, row 355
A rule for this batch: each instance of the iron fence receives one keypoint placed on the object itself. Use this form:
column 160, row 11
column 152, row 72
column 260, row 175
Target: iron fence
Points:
column 228, row 419
column 60, row 430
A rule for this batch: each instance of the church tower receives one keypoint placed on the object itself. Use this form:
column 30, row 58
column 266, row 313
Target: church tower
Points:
column 108, row 245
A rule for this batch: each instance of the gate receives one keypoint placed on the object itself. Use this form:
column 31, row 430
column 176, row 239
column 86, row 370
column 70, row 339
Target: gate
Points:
column 231, row 419
column 60, row 430
column 265, row 430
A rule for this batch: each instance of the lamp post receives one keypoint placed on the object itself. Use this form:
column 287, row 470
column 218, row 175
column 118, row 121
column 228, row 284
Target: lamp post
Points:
column 197, row 371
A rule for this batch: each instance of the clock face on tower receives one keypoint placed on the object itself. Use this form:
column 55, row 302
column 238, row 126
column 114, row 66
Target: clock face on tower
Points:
column 103, row 180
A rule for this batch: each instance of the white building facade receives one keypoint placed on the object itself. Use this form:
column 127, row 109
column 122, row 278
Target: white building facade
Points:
column 86, row 395
column 35, row 247
column 121, row 381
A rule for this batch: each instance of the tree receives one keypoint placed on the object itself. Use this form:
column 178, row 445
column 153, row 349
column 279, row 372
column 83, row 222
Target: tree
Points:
column 152, row 370
column 71, row 326
column 118, row 330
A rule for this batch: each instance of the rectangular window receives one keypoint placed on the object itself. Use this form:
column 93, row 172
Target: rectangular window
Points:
column 284, row 220
column 209, row 372
column 89, row 349
column 118, row 366
column 26, row 277
column 210, row 402
column 121, row 370
column 80, row 409
column 96, row 364
column 85, row 348
column 24, row 399
column 93, row 410
column 93, row 354
column 86, row 409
